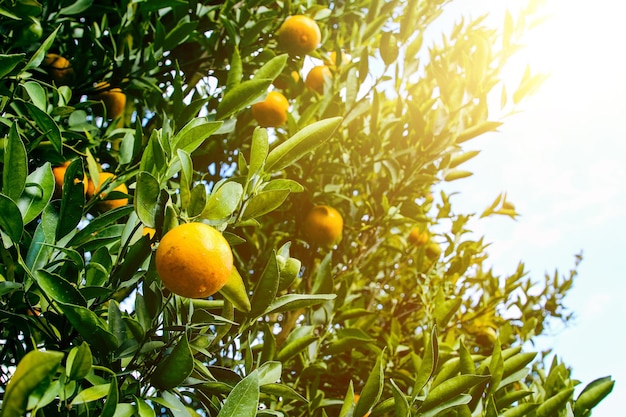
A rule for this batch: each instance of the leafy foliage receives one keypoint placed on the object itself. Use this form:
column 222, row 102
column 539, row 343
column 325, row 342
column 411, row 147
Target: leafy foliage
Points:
column 372, row 326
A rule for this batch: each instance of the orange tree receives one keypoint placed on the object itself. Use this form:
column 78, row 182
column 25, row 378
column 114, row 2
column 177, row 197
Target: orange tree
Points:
column 157, row 95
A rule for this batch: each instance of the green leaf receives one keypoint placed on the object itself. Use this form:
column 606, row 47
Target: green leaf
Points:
column 554, row 404
column 235, row 72
column 79, row 362
column 272, row 68
column 270, row 372
column 284, row 391
column 37, row 58
column 143, row 408
column 197, row 200
column 429, row 364
column 263, row 203
column 243, row 399
column 58, row 289
column 11, row 219
column 445, row 405
column 241, row 96
column 8, row 62
column 176, row 367
column 592, row 394
column 98, row 224
column 235, row 291
column 295, row 301
column 91, row 394
column 267, row 286
column 15, row 168
column 47, row 125
column 323, row 283
column 76, row 7
column 524, row 409
column 223, row 202
column 194, row 133
column 40, row 246
column 477, row 130
column 372, row 389
column 496, row 368
column 517, row 362
column 32, row 369
column 37, row 94
column 283, row 184
column 147, row 198
column 258, row 151
column 401, row 405
column 450, row 389
column 303, row 142
column 72, row 201
column 37, row 193
column 297, row 341
column 90, row 327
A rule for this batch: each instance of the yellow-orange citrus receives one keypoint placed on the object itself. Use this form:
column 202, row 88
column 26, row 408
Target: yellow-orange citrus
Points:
column 316, row 77
column 323, row 225
column 59, row 69
column 59, row 179
column 433, row 251
column 356, row 400
column 148, row 231
column 113, row 98
column 332, row 59
column 418, row 237
column 106, row 205
column 194, row 260
column 299, row 35
column 271, row 112
column 285, row 80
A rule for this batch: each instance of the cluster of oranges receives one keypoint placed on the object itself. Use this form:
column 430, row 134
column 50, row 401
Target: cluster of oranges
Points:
column 61, row 72
column 299, row 35
column 91, row 190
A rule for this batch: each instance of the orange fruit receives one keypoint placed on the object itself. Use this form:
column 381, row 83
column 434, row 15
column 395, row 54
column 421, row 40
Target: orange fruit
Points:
column 299, row 35
column 433, row 251
column 418, row 237
column 148, row 231
column 113, row 98
column 106, row 205
column 59, row 179
column 194, row 260
column 272, row 112
column 59, row 69
column 285, row 80
column 323, row 225
column 315, row 79
column 332, row 59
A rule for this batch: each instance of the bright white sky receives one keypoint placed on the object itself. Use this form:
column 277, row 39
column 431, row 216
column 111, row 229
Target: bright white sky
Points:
column 562, row 162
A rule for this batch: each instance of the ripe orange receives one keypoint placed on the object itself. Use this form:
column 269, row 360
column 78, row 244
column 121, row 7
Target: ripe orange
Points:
column 194, row 260
column 316, row 77
column 59, row 179
column 59, row 69
column 323, row 225
column 332, row 59
column 106, row 205
column 418, row 237
column 272, row 112
column 299, row 35
column 148, row 231
column 113, row 98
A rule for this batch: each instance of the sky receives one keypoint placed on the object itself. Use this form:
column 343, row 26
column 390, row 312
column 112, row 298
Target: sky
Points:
column 562, row 162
